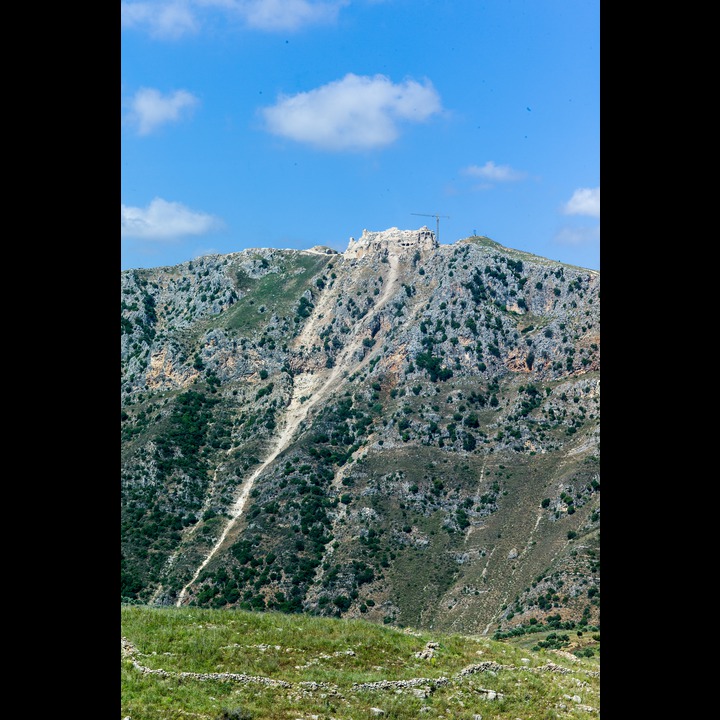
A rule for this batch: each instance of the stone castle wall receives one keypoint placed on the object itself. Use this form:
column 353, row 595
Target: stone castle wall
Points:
column 393, row 240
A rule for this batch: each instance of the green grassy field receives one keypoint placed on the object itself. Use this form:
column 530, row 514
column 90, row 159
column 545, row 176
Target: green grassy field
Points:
column 237, row 665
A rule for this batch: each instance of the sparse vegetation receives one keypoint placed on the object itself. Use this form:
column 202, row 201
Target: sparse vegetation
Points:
column 222, row 665
column 452, row 429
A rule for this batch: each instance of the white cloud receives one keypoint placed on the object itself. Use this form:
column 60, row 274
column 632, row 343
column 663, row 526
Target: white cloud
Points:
column 163, row 220
column 577, row 236
column 165, row 20
column 150, row 109
column 585, row 201
column 171, row 19
column 354, row 113
column 287, row 14
column 495, row 173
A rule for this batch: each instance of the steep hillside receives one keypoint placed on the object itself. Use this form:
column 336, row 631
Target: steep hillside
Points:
column 405, row 432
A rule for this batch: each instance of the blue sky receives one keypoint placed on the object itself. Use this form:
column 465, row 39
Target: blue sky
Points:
column 294, row 123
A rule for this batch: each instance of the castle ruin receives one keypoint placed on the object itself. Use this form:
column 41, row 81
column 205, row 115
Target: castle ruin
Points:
column 394, row 240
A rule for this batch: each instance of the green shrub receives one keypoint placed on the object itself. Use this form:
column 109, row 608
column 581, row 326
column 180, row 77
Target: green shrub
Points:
column 234, row 714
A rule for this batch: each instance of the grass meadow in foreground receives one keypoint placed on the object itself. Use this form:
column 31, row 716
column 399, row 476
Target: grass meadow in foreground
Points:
column 238, row 665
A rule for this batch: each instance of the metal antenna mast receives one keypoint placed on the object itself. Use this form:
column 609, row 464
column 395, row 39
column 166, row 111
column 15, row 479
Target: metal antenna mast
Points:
column 437, row 222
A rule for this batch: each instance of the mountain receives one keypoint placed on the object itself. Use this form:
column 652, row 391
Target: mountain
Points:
column 405, row 432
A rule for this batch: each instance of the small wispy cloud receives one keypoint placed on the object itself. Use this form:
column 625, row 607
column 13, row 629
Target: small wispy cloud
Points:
column 494, row 173
column 167, row 20
column 577, row 236
column 585, row 201
column 286, row 14
column 354, row 113
column 173, row 19
column 163, row 220
column 204, row 252
column 149, row 108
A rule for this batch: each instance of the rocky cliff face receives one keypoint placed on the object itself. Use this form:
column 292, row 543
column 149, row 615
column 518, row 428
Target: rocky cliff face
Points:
column 406, row 431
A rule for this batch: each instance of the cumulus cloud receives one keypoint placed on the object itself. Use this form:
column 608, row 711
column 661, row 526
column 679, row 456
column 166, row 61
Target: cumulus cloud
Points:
column 150, row 109
column 357, row 112
column 163, row 220
column 585, row 201
column 494, row 173
column 164, row 20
